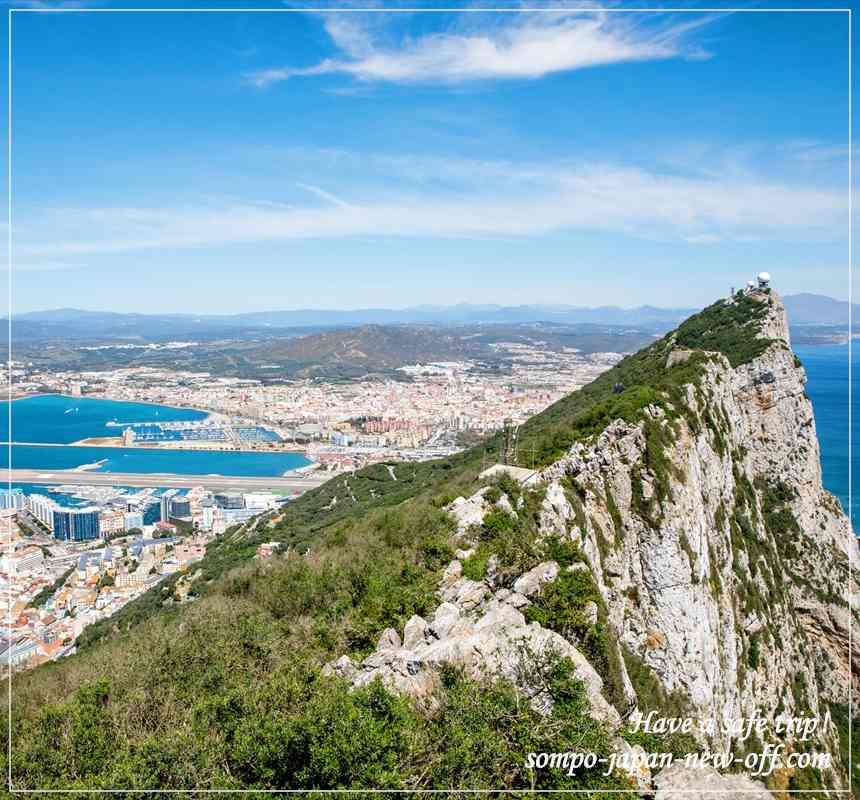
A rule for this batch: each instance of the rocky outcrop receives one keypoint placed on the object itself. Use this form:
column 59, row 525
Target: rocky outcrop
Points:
column 468, row 511
column 633, row 760
column 482, row 632
column 680, row 782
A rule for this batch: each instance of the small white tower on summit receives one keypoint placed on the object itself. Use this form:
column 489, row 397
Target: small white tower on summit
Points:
column 763, row 280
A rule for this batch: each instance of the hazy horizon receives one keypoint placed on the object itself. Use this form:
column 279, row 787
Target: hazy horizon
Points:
column 417, row 307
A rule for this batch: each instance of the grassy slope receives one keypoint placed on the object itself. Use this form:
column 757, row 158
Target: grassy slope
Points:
column 226, row 691
column 729, row 329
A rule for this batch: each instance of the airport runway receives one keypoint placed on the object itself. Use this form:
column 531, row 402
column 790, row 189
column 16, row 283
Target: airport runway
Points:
column 86, row 478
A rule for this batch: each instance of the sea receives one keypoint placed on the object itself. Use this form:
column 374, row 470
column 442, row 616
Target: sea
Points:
column 55, row 421
column 827, row 386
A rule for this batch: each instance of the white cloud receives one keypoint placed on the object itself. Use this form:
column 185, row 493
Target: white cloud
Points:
column 703, row 238
column 816, row 152
column 47, row 5
column 503, row 200
column 527, row 45
column 323, row 194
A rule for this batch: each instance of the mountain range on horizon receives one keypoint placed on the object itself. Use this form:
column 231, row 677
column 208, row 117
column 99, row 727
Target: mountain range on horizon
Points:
column 803, row 309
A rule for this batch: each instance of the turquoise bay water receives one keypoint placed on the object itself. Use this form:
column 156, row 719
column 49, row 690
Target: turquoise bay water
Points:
column 827, row 386
column 178, row 462
column 56, row 419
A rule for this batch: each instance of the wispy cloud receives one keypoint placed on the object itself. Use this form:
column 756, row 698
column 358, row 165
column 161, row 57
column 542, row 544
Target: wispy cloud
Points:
column 502, row 200
column 48, row 5
column 323, row 195
column 525, row 46
column 816, row 152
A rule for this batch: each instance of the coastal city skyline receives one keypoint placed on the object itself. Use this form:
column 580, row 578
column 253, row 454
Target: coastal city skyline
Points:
column 323, row 160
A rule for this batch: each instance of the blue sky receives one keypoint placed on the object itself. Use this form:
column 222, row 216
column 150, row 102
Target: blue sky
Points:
column 239, row 161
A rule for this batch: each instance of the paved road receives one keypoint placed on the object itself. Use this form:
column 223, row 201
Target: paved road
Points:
column 86, row 478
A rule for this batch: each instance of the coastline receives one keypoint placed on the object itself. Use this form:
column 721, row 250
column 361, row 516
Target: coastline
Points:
column 116, row 441
column 101, row 460
column 107, row 454
column 31, row 395
column 206, row 411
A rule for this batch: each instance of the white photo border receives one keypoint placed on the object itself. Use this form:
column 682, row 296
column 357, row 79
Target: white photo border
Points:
column 440, row 10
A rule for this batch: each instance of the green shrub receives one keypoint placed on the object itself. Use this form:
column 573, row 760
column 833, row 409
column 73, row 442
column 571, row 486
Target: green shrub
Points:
column 840, row 713
column 650, row 692
column 560, row 606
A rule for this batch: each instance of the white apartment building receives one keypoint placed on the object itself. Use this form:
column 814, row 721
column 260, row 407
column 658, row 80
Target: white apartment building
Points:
column 25, row 561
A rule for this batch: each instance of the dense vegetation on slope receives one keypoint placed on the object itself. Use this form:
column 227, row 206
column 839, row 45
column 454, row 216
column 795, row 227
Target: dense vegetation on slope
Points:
column 227, row 690
column 729, row 328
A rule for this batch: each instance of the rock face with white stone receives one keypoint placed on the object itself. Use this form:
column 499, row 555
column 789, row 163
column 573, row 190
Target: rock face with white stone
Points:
column 494, row 641
column 632, row 760
column 530, row 583
column 468, row 512
column 731, row 548
column 699, row 580
column 680, row 782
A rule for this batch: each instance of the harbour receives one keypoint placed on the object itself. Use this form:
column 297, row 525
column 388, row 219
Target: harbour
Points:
column 60, row 432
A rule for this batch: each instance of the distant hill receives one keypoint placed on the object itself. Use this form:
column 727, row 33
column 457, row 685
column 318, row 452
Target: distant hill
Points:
column 93, row 323
column 98, row 326
column 374, row 348
column 816, row 309
column 337, row 353
column 467, row 313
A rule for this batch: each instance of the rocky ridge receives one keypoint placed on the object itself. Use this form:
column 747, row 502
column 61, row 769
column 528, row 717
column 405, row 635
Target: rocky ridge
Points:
column 725, row 568
column 478, row 627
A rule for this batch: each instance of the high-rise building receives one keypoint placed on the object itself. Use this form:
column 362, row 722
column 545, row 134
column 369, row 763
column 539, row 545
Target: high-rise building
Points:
column 111, row 522
column 42, row 508
column 12, row 498
column 165, row 504
column 180, row 508
column 22, row 561
column 230, row 500
column 76, row 524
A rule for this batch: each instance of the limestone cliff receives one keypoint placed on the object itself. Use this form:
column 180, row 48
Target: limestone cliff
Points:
column 732, row 580
column 725, row 571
